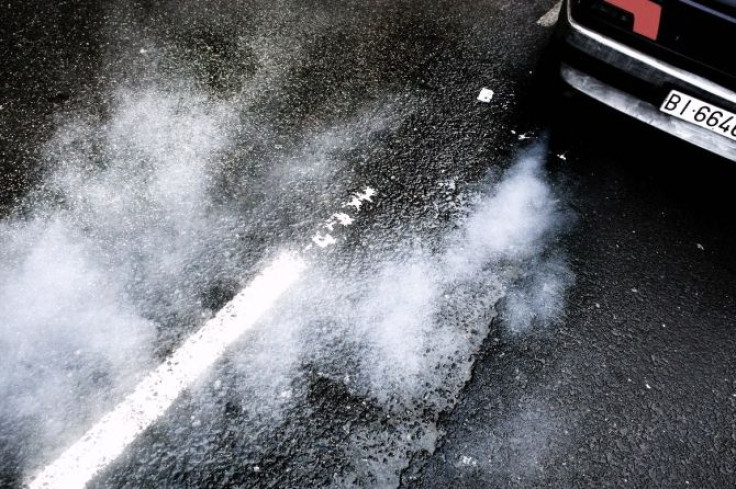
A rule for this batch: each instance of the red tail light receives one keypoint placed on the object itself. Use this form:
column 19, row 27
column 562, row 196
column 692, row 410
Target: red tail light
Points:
column 647, row 15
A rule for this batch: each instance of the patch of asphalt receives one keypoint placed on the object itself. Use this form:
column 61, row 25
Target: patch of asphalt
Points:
column 635, row 385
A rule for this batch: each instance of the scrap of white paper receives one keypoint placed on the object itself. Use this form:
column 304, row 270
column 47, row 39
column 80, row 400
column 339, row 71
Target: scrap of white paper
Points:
column 486, row 95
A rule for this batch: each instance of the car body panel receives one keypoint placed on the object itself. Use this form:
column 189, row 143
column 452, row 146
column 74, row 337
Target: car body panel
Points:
column 615, row 71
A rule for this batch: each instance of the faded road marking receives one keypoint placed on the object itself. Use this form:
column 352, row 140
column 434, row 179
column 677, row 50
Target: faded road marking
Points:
column 550, row 18
column 107, row 440
column 323, row 241
column 358, row 198
column 356, row 201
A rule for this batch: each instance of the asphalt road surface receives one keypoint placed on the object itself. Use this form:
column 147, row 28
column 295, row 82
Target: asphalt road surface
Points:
column 419, row 289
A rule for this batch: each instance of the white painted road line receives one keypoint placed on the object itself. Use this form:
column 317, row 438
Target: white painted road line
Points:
column 550, row 18
column 107, row 440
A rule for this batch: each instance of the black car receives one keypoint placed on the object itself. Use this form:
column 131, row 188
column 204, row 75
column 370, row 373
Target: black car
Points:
column 668, row 63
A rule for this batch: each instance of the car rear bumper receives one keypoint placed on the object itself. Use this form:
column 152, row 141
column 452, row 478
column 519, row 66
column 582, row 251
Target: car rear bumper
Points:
column 636, row 83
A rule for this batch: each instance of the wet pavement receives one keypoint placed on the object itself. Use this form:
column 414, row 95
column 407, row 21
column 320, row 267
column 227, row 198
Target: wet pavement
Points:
column 526, row 301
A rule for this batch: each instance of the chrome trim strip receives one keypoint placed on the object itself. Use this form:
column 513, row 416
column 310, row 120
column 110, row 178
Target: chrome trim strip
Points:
column 686, row 76
column 710, row 10
column 647, row 113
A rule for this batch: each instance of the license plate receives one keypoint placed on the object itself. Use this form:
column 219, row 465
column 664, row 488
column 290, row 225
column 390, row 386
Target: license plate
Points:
column 700, row 113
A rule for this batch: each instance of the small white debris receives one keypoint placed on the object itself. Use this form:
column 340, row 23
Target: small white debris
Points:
column 486, row 95
column 648, row 386
column 217, row 385
column 597, row 306
column 196, row 423
column 256, row 469
column 286, row 394
column 635, row 290
column 524, row 136
column 468, row 461
column 324, row 241
column 143, row 51
column 357, row 199
column 701, row 247
column 562, row 156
